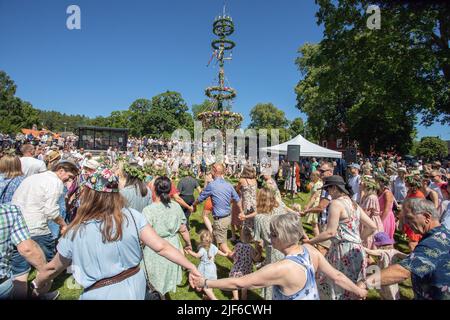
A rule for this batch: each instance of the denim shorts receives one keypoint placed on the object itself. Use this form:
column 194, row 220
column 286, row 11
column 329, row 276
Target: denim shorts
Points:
column 20, row 266
column 6, row 289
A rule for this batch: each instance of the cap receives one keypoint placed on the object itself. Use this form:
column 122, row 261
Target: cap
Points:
column 382, row 239
column 91, row 164
column 355, row 166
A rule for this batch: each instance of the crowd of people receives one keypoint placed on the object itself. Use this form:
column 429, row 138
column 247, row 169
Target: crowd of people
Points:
column 62, row 207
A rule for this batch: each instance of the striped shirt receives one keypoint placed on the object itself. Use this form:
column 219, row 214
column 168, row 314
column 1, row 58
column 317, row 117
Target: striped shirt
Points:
column 13, row 231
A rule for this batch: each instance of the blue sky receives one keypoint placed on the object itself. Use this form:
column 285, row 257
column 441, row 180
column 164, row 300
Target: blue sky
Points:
column 134, row 49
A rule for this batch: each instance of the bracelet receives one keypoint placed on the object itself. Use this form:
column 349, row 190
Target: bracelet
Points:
column 33, row 284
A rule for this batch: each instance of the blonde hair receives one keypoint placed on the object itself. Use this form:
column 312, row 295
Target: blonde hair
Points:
column 266, row 200
column 315, row 174
column 205, row 239
column 10, row 166
column 249, row 172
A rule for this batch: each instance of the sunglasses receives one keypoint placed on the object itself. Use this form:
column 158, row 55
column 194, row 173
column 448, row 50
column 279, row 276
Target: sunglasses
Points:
column 322, row 171
column 273, row 235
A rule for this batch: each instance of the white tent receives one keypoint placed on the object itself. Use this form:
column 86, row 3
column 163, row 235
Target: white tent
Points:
column 307, row 149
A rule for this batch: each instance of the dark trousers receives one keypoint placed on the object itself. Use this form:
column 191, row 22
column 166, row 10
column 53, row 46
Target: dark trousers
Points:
column 189, row 200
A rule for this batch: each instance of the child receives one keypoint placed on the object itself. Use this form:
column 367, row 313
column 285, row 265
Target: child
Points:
column 244, row 255
column 206, row 253
column 387, row 255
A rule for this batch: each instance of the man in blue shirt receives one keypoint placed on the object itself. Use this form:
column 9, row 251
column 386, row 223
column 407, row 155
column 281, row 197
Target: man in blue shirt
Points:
column 428, row 265
column 221, row 193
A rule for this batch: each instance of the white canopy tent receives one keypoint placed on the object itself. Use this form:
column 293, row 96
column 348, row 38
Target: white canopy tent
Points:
column 307, row 149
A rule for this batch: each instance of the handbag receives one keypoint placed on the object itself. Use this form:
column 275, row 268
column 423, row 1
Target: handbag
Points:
column 150, row 292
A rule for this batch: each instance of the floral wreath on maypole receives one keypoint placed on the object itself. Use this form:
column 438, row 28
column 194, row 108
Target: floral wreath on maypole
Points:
column 217, row 117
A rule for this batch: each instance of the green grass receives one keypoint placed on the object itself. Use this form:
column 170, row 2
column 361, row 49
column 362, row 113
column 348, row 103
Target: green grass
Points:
column 69, row 290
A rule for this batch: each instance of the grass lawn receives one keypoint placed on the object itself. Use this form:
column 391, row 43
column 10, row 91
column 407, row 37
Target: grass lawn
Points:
column 69, row 290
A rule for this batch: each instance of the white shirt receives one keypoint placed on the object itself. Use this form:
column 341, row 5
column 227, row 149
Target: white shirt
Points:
column 32, row 166
column 37, row 197
column 354, row 182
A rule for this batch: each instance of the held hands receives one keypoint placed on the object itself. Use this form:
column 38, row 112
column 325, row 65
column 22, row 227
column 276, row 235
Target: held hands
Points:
column 362, row 294
column 194, row 277
column 199, row 283
column 242, row 216
column 63, row 229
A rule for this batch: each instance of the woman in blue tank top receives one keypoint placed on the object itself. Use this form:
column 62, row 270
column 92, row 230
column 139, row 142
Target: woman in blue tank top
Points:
column 292, row 278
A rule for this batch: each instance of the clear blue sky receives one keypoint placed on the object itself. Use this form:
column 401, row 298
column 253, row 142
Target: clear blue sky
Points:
column 139, row 48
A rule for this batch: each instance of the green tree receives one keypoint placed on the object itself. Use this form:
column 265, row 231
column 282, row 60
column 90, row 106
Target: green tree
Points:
column 267, row 116
column 168, row 112
column 431, row 148
column 374, row 104
column 119, row 119
column 199, row 108
column 15, row 114
column 139, row 113
column 297, row 127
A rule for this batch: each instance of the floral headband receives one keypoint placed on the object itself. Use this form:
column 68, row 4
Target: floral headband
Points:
column 103, row 180
column 414, row 181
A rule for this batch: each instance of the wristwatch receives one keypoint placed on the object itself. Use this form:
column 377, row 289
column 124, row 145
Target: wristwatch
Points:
column 205, row 285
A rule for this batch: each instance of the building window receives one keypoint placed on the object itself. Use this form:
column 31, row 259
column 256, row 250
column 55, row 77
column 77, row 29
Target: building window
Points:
column 339, row 143
column 324, row 144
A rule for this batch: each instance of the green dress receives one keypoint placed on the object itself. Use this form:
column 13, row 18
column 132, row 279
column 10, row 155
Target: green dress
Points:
column 262, row 233
column 164, row 275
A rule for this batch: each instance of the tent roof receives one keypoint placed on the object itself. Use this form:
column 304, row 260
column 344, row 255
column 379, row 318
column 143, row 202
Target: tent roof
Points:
column 307, row 149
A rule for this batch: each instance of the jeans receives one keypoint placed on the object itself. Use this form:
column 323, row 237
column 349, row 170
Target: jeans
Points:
column 54, row 227
column 21, row 266
column 6, row 289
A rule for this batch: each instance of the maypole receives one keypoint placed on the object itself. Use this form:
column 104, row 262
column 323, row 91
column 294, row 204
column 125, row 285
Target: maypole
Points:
column 219, row 115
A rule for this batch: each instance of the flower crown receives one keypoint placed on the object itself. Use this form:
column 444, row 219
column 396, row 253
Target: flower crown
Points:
column 136, row 171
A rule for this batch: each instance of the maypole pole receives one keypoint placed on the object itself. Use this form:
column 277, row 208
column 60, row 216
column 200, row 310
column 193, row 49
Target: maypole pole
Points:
column 218, row 116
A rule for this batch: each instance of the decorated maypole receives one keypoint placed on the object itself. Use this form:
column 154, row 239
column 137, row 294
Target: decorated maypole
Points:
column 219, row 115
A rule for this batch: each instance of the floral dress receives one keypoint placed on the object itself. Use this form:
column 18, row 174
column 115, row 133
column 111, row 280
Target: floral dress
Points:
column 249, row 203
column 346, row 254
column 262, row 233
column 243, row 263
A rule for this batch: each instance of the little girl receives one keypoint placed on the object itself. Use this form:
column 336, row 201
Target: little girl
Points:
column 244, row 255
column 206, row 253
column 386, row 255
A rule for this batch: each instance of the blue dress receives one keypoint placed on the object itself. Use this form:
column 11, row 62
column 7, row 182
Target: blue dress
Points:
column 309, row 291
column 93, row 260
column 207, row 267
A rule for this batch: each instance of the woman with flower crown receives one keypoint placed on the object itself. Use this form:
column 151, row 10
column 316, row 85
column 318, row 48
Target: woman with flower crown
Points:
column 103, row 245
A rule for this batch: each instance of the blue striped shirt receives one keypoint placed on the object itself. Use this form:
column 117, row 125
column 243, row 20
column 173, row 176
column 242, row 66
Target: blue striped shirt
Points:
column 221, row 193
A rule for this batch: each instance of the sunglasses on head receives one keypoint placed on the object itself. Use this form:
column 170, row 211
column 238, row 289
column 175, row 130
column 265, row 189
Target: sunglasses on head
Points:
column 273, row 235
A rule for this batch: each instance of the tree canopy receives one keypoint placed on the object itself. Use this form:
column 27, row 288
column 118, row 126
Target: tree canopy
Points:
column 375, row 82
column 431, row 148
